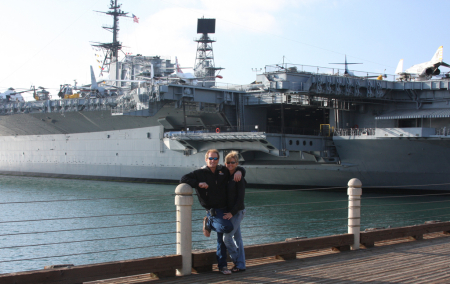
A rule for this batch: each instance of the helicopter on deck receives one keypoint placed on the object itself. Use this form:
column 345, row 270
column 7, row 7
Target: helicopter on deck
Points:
column 42, row 94
column 11, row 95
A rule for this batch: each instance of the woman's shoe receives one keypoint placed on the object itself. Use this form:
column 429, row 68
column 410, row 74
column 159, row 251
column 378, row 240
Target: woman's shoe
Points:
column 225, row 271
column 235, row 269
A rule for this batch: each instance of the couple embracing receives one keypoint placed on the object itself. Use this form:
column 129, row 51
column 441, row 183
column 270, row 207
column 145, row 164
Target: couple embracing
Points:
column 221, row 190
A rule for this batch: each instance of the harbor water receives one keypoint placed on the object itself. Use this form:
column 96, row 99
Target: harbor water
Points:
column 45, row 221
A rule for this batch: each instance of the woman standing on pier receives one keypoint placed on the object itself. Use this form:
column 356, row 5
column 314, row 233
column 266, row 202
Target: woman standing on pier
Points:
column 235, row 200
column 210, row 183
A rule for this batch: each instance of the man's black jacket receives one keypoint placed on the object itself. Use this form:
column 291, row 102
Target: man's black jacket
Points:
column 215, row 196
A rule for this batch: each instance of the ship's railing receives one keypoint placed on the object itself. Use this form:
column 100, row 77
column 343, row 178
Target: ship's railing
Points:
column 293, row 130
column 444, row 131
column 310, row 69
column 214, row 129
column 250, row 128
column 354, row 131
column 239, row 87
column 59, row 105
column 120, row 109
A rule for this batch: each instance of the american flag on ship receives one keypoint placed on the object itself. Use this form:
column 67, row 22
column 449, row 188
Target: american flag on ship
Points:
column 135, row 19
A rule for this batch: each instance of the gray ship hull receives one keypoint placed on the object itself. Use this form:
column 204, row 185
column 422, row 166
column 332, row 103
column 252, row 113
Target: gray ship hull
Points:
column 408, row 162
column 141, row 154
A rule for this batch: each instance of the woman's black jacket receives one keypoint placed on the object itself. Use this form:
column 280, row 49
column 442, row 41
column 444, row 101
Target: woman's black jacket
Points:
column 236, row 194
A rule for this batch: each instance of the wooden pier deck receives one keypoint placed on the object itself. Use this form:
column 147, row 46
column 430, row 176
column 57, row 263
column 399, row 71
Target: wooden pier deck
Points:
column 395, row 261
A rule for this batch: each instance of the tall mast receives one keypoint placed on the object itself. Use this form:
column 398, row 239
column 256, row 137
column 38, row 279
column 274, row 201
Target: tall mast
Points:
column 205, row 69
column 112, row 48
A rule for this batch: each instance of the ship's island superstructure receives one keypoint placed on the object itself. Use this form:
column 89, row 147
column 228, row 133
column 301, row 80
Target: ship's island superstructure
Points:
column 295, row 125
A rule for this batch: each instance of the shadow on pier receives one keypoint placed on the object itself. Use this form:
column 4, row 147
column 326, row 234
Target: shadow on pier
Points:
column 395, row 261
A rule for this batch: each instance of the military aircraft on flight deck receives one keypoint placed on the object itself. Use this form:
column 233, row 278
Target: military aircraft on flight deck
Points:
column 93, row 90
column 348, row 73
column 423, row 71
column 11, row 95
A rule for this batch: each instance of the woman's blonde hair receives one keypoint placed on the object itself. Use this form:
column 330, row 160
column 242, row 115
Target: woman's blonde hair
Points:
column 232, row 155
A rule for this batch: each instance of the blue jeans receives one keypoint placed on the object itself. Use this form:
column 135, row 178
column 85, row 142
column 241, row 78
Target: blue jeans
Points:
column 220, row 225
column 233, row 241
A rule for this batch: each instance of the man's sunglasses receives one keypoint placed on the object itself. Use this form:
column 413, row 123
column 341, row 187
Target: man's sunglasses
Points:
column 231, row 163
column 211, row 158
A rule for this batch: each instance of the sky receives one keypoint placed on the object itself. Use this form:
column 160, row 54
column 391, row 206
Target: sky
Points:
column 48, row 42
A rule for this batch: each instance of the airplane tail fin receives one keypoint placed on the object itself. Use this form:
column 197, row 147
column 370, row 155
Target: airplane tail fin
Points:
column 438, row 55
column 399, row 67
column 93, row 81
column 178, row 66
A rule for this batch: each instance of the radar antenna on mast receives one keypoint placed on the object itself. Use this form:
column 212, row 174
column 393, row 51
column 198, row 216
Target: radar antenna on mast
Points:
column 204, row 69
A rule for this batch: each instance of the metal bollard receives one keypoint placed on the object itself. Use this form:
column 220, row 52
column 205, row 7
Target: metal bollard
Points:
column 354, row 210
column 184, row 201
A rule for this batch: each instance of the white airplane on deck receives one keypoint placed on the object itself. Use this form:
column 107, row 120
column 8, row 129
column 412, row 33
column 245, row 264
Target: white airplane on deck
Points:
column 95, row 89
column 92, row 90
column 187, row 78
column 423, row 71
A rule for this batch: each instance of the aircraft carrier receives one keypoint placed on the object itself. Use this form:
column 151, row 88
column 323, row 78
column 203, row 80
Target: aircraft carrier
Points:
column 295, row 125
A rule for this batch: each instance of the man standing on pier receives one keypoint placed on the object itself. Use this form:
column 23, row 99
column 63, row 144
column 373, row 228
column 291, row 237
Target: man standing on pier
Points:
column 210, row 183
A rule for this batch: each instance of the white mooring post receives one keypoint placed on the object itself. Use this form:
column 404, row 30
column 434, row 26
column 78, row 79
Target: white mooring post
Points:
column 354, row 210
column 184, row 201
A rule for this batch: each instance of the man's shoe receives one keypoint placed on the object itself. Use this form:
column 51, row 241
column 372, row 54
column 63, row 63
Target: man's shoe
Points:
column 206, row 228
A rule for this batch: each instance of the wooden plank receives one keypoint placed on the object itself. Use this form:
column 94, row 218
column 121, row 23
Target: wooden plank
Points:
column 341, row 248
column 392, row 261
column 289, row 256
column 281, row 248
column 84, row 273
column 205, row 258
column 204, row 268
column 368, row 238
